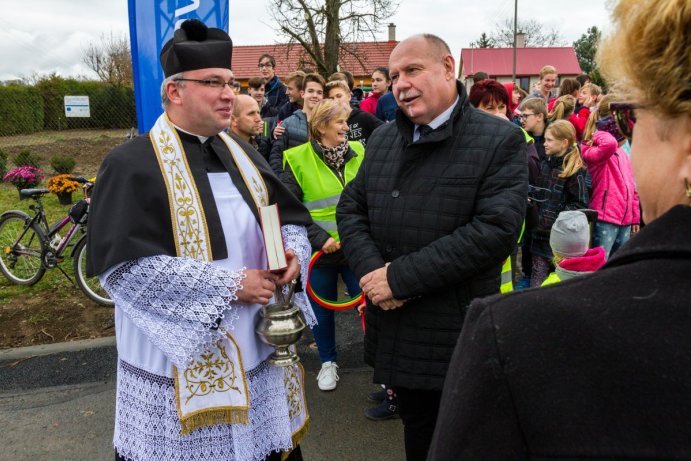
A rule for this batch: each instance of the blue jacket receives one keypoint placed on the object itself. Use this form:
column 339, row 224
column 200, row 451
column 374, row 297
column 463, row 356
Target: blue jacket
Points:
column 386, row 107
column 295, row 134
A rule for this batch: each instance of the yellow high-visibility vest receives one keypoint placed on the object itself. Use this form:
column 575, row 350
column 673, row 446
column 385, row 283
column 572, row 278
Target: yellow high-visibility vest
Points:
column 321, row 188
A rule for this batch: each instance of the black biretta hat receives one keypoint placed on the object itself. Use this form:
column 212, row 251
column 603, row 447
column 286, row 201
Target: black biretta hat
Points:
column 196, row 46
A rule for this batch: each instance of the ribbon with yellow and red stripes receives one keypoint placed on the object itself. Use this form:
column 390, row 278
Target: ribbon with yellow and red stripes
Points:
column 333, row 305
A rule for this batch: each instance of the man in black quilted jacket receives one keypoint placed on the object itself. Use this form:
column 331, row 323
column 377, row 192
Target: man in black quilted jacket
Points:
column 434, row 210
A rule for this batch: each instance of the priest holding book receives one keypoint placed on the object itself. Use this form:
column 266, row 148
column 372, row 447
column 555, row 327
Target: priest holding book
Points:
column 175, row 237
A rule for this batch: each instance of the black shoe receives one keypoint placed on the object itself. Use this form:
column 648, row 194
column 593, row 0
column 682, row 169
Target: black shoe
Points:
column 377, row 397
column 381, row 412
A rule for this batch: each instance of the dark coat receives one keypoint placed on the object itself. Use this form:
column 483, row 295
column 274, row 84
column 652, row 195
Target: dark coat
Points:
column 130, row 214
column 597, row 367
column 445, row 211
column 275, row 93
column 556, row 195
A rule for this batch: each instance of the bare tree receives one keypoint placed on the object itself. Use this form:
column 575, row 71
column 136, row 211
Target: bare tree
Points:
column 326, row 29
column 110, row 59
column 536, row 34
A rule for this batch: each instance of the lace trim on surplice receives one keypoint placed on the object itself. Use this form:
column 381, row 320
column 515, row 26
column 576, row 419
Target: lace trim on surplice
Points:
column 176, row 302
column 147, row 425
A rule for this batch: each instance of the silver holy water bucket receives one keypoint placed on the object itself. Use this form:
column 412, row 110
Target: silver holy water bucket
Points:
column 281, row 326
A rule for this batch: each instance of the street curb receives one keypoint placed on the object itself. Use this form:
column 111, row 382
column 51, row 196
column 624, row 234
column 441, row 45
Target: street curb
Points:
column 23, row 353
column 94, row 360
column 58, row 364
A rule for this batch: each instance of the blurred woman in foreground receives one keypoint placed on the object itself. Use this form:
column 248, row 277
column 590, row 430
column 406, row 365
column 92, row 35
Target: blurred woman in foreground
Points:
column 598, row 367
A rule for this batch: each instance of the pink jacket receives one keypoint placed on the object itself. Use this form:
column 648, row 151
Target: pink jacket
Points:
column 614, row 191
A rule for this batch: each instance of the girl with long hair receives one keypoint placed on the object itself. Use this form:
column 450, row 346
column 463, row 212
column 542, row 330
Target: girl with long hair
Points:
column 380, row 86
column 563, row 179
column 614, row 194
column 562, row 109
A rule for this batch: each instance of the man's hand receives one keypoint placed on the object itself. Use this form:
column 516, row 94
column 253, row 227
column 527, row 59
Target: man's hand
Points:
column 291, row 272
column 331, row 246
column 391, row 304
column 278, row 131
column 635, row 228
column 258, row 287
column 376, row 286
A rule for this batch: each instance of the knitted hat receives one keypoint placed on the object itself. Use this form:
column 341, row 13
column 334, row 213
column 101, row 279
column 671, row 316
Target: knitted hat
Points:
column 570, row 234
column 196, row 46
column 609, row 125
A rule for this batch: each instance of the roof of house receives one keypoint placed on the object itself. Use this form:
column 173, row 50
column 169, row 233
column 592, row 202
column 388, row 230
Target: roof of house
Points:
column 499, row 61
column 291, row 57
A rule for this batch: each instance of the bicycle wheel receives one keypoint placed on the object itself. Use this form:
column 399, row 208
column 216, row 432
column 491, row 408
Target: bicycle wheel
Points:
column 89, row 285
column 20, row 258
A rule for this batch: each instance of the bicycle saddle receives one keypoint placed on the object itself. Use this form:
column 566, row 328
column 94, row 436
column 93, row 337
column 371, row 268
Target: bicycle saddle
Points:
column 27, row 193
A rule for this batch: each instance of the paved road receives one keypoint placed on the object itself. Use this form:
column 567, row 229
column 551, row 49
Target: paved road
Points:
column 74, row 421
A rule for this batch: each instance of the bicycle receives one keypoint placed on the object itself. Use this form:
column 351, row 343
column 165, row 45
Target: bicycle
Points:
column 30, row 246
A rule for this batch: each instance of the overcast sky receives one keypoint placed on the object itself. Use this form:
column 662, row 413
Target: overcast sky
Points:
column 44, row 36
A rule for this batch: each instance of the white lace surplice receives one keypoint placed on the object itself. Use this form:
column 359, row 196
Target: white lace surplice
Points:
column 166, row 308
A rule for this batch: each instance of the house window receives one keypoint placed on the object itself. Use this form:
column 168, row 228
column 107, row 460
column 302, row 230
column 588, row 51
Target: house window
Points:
column 524, row 82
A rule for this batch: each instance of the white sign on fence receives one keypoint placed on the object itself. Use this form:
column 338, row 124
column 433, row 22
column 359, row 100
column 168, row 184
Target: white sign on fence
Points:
column 77, row 106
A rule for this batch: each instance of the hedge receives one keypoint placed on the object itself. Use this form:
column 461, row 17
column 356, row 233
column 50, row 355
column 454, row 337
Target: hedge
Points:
column 27, row 109
column 110, row 106
column 21, row 110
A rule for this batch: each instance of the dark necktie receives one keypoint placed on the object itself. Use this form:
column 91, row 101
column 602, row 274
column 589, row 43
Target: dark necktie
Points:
column 424, row 130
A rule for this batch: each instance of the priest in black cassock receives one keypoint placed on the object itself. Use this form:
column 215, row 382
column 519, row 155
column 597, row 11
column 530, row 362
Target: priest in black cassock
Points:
column 175, row 239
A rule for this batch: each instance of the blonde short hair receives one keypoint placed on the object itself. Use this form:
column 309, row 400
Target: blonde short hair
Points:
column 324, row 113
column 547, row 70
column 336, row 84
column 646, row 58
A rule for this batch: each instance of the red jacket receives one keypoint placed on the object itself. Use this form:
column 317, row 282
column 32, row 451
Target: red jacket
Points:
column 577, row 119
column 369, row 104
column 614, row 191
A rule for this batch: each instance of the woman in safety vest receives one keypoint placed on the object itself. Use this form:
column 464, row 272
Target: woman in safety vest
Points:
column 316, row 172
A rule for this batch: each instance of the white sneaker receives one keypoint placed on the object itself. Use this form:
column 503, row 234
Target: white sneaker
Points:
column 328, row 376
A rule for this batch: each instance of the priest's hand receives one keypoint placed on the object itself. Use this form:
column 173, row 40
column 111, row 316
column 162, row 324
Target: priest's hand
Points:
column 258, row 287
column 291, row 272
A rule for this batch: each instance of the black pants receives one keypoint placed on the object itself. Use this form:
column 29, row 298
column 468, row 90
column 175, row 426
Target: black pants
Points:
column 295, row 455
column 418, row 410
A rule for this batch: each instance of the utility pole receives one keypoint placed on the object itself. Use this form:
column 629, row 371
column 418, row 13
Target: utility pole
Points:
column 515, row 26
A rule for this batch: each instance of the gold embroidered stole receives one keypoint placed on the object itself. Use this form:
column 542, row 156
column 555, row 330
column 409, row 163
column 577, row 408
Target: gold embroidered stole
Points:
column 294, row 375
column 213, row 389
column 294, row 382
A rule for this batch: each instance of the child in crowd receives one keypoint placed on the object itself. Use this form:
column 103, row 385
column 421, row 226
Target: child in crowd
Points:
column 569, row 239
column 380, row 86
column 614, row 194
column 563, row 175
column 562, row 108
column 586, row 102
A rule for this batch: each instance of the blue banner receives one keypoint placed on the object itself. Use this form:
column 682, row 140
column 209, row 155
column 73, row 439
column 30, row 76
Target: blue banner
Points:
column 152, row 23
